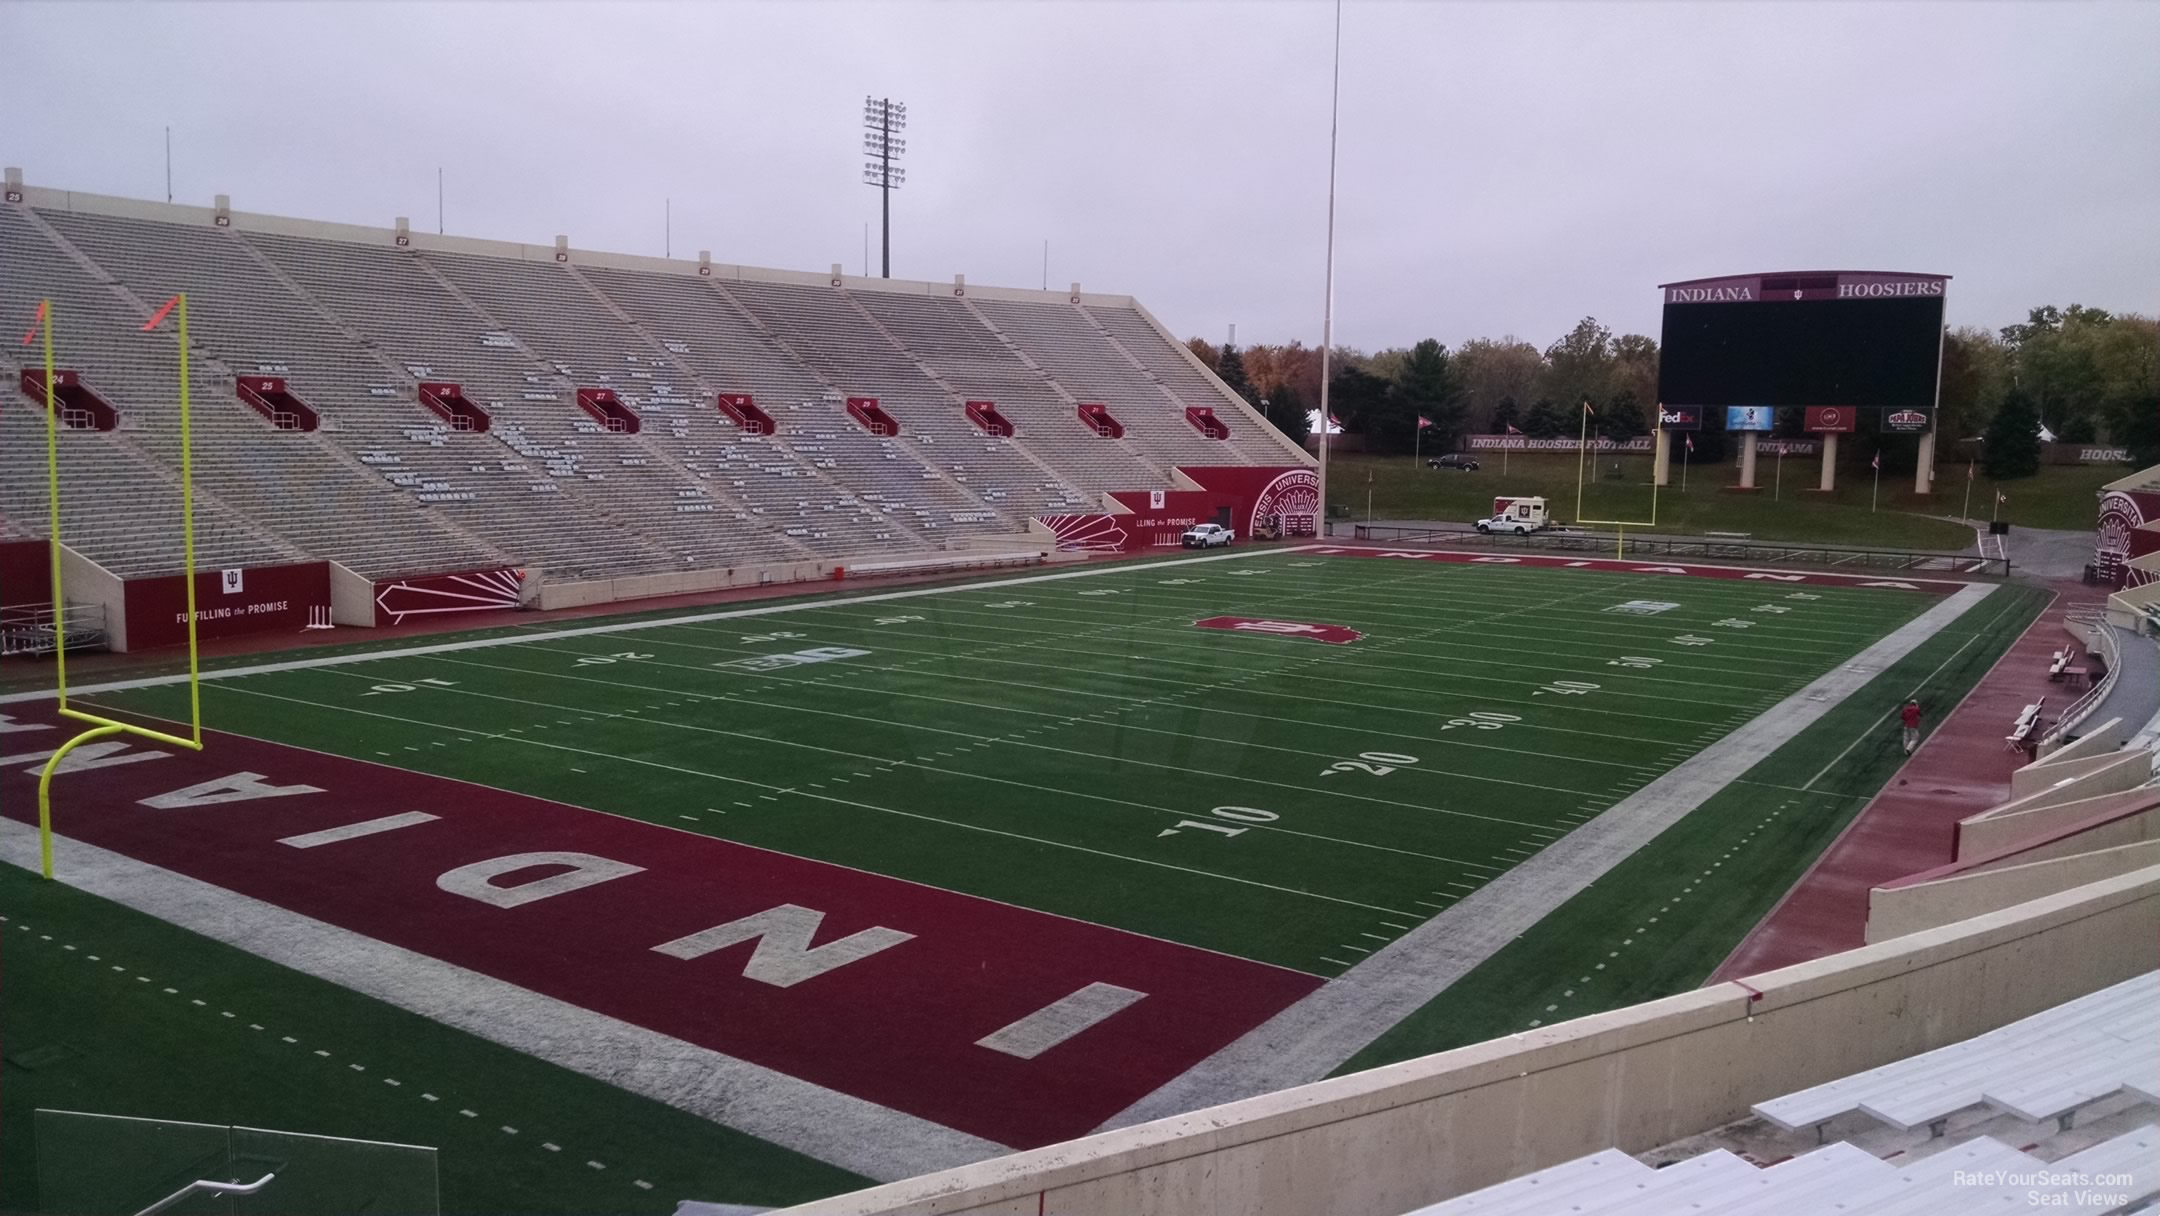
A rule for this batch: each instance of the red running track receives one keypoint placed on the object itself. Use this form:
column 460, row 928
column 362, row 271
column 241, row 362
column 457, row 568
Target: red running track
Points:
column 899, row 1024
column 1960, row 770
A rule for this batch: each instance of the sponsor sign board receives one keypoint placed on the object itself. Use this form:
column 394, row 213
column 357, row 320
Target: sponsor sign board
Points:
column 1680, row 417
column 1748, row 417
column 1830, row 419
column 1905, row 422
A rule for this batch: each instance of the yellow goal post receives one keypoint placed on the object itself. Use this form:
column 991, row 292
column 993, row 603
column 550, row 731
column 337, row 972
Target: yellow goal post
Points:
column 101, row 726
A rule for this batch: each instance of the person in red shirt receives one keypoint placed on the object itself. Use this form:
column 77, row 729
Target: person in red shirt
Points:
column 1911, row 715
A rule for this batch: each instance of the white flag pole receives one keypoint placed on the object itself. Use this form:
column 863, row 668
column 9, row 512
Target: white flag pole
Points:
column 1327, row 315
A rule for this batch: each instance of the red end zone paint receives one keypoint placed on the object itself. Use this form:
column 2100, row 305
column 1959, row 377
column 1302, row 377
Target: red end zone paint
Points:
column 1931, row 586
column 898, row 1026
column 1334, row 635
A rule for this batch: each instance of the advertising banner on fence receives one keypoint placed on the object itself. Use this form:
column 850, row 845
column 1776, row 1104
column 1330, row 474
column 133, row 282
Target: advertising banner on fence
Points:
column 228, row 603
column 398, row 600
column 1519, row 443
column 1830, row 419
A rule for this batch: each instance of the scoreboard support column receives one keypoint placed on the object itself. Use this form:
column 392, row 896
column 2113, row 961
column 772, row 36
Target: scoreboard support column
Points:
column 1924, row 476
column 1747, row 459
column 1661, row 466
column 1829, row 462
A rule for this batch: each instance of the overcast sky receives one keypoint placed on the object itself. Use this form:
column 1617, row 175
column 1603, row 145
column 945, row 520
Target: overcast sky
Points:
column 1505, row 168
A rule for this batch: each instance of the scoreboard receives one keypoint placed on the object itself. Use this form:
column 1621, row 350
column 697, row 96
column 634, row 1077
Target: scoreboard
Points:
column 1818, row 338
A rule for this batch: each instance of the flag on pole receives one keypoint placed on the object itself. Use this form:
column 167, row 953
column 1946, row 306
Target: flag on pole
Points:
column 1877, row 462
column 1587, row 409
column 159, row 316
column 1511, row 429
column 36, row 324
column 2001, row 497
column 1968, row 471
column 1423, row 422
column 1690, row 443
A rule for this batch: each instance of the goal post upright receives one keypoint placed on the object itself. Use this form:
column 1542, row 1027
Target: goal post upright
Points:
column 99, row 725
column 1582, row 457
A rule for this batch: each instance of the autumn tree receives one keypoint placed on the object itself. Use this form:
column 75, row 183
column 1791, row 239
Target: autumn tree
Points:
column 1579, row 365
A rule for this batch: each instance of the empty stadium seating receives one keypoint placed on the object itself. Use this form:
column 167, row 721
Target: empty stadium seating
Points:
column 1991, row 1124
column 352, row 323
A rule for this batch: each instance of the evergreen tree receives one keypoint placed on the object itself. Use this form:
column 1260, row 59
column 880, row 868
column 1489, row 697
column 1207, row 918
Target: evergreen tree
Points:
column 1287, row 413
column 1429, row 388
column 1506, row 414
column 2013, row 438
column 1230, row 365
column 1545, row 420
column 1622, row 417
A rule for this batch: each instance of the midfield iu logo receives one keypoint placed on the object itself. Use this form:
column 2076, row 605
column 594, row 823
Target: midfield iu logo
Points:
column 1334, row 635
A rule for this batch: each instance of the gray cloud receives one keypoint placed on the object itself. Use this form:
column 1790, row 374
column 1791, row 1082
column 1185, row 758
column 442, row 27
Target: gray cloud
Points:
column 1504, row 168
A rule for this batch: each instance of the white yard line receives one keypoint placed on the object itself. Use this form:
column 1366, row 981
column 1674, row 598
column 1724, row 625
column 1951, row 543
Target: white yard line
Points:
column 1315, row 1036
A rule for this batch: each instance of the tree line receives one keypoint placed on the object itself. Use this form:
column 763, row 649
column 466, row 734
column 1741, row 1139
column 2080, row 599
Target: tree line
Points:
column 2087, row 375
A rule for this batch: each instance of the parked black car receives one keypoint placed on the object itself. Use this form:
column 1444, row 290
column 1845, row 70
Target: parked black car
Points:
column 1454, row 460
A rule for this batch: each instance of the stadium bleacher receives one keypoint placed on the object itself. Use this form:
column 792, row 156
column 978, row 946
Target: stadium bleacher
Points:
column 2054, row 1112
column 355, row 322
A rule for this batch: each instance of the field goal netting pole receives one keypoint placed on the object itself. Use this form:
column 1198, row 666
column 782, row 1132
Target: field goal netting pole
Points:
column 1582, row 455
column 101, row 726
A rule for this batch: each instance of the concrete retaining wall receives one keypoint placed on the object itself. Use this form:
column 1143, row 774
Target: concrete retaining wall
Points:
column 691, row 582
column 1379, row 1143
column 1897, row 911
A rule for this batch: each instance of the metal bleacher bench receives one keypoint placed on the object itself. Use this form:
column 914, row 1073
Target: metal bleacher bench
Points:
column 2027, row 721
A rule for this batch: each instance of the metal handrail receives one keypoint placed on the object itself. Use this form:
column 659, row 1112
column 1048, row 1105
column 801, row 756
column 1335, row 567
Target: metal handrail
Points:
column 2083, row 707
column 1704, row 548
column 208, row 1186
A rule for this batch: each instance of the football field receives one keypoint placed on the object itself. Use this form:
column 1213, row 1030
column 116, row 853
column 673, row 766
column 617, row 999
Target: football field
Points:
column 901, row 877
column 1080, row 747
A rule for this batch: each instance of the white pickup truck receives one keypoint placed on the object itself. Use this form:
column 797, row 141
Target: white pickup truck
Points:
column 1207, row 536
column 1516, row 516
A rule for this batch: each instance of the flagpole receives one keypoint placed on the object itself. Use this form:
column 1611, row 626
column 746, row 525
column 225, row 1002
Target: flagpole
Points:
column 1687, row 448
column 1966, row 514
column 1327, row 315
column 1877, row 491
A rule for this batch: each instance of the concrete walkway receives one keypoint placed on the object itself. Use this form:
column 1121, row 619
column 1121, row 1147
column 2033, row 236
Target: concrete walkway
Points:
column 1314, row 1037
column 1960, row 769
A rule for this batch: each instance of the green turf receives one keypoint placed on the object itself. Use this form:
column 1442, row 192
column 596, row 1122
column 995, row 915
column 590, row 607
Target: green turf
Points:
column 2060, row 497
column 136, row 1009
column 1076, row 746
column 1663, row 920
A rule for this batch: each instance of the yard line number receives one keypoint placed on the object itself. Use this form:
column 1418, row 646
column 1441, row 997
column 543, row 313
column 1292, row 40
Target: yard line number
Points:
column 1235, row 814
column 1379, row 764
column 378, row 689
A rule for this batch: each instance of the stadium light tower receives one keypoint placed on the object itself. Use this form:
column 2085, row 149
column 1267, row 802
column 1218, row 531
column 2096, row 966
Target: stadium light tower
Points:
column 883, row 120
